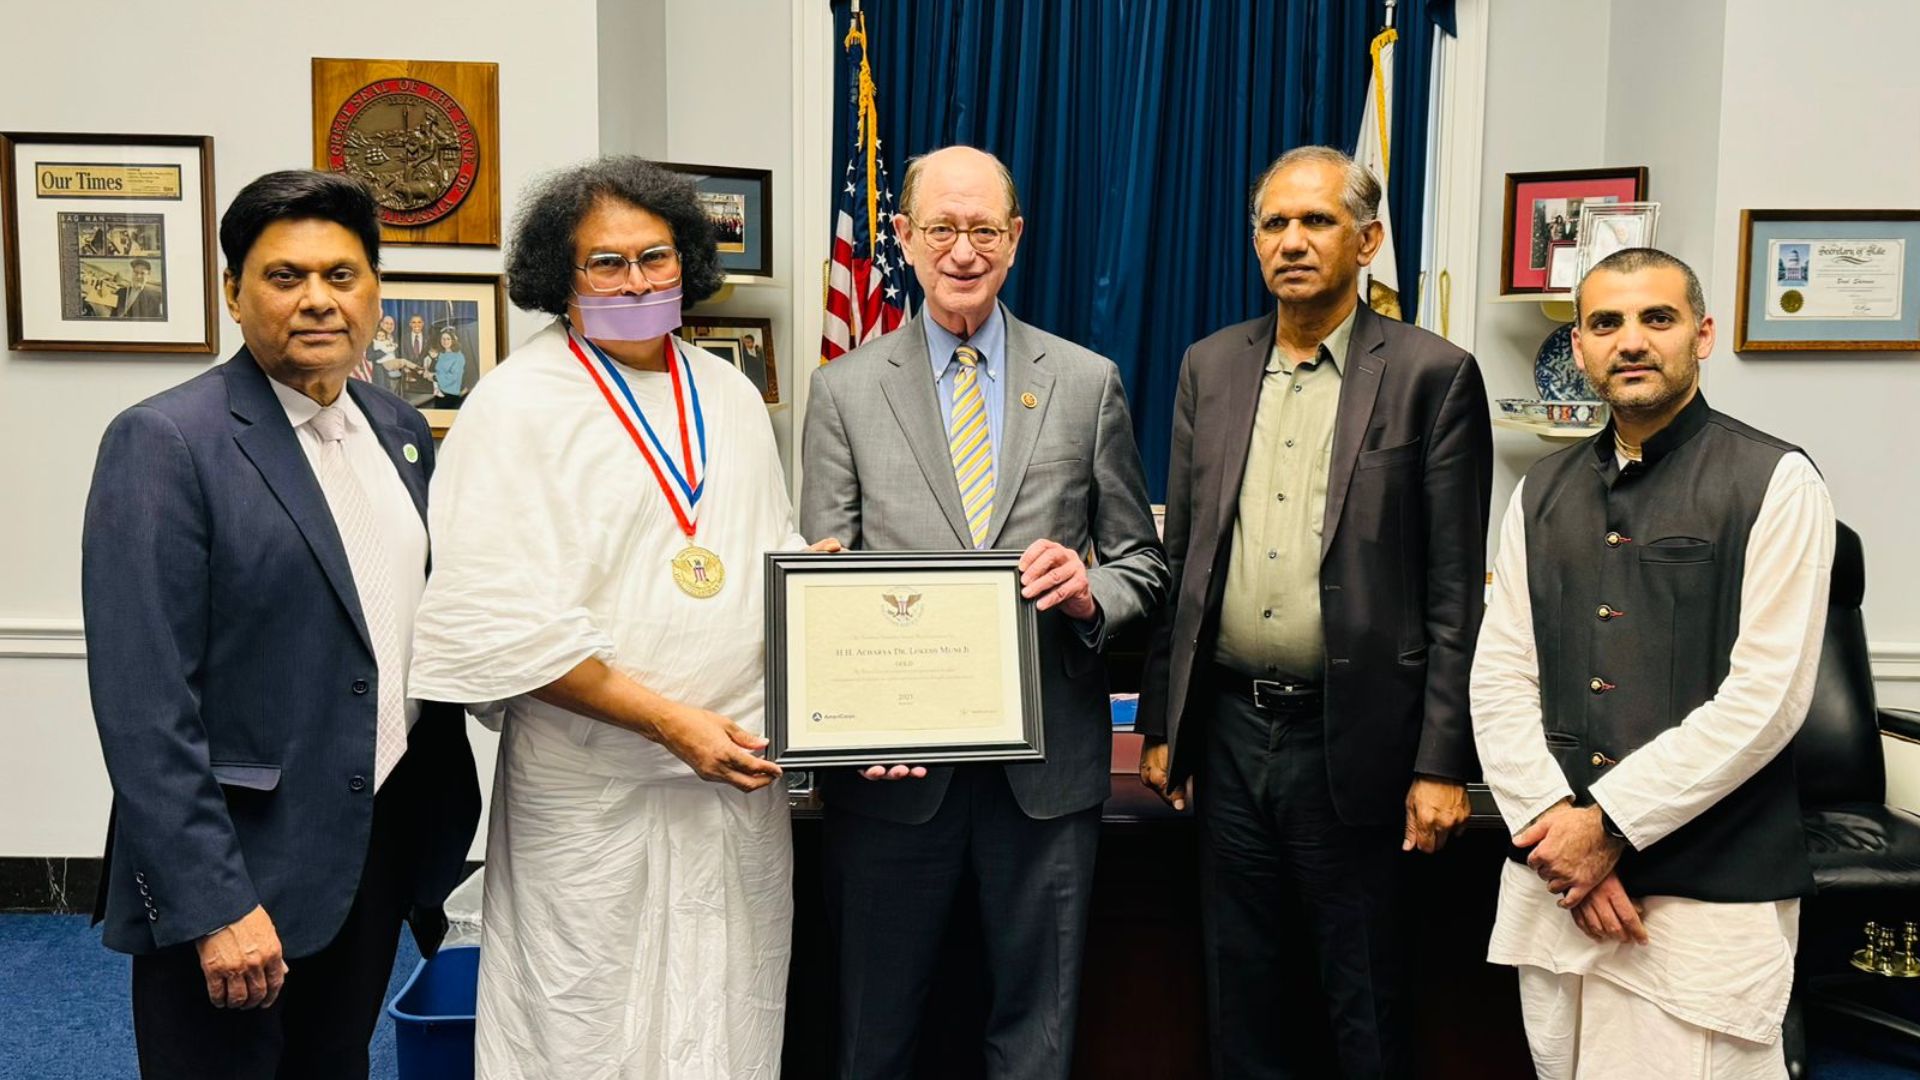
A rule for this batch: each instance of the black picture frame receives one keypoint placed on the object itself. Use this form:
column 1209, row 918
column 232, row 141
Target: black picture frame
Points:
column 783, row 566
column 749, row 250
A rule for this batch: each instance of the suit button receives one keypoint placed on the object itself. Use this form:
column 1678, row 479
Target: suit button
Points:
column 358, row 783
column 1267, row 614
column 140, row 878
column 1607, row 611
column 1614, row 539
column 359, row 686
column 1598, row 759
column 152, row 915
column 1280, row 497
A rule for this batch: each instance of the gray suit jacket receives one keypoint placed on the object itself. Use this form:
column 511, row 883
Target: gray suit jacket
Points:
column 878, row 477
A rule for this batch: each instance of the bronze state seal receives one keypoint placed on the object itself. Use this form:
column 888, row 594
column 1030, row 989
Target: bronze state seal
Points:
column 409, row 141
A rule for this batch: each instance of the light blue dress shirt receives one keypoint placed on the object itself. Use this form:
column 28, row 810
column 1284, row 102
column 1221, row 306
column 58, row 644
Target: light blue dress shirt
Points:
column 991, row 343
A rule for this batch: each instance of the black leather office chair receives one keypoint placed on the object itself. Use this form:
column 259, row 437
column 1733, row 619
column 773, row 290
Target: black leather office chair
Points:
column 1865, row 854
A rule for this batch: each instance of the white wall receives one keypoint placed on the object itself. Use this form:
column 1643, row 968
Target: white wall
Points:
column 737, row 113
column 240, row 72
column 1546, row 93
column 1817, row 110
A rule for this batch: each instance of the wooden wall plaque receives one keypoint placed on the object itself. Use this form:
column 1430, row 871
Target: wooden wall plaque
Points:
column 424, row 134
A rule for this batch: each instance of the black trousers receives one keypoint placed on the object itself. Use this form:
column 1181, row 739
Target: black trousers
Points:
column 325, row 1016
column 890, row 890
column 1303, row 967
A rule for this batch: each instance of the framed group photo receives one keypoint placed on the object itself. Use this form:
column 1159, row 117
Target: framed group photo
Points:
column 109, row 242
column 1828, row 281
column 438, row 336
column 1540, row 245
column 747, row 343
column 739, row 202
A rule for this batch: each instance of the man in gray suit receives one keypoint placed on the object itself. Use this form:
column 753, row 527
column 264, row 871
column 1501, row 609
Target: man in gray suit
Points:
column 967, row 428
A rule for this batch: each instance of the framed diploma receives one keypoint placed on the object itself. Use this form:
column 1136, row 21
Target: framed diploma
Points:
column 877, row 658
column 1828, row 280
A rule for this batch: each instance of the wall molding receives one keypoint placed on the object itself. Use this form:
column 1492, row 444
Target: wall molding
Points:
column 1895, row 661
column 35, row 639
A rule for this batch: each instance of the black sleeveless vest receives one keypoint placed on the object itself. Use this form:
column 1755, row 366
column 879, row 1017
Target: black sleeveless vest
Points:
column 1634, row 576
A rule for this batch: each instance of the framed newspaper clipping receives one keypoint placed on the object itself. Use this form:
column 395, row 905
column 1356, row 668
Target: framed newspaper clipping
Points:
column 109, row 242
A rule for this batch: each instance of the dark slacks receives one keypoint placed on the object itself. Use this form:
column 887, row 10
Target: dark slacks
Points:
column 325, row 1016
column 1303, row 969
column 890, row 890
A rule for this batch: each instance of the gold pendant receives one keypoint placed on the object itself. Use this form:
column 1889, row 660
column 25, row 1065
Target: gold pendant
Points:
column 698, row 572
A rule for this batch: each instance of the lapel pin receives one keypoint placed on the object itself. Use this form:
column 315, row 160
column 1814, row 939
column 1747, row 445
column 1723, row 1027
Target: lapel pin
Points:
column 412, row 455
column 1029, row 400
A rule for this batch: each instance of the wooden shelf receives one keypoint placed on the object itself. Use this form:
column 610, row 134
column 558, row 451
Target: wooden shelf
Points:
column 1555, row 306
column 1543, row 429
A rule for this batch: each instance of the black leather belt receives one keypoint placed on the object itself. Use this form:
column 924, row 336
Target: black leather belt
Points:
column 1270, row 695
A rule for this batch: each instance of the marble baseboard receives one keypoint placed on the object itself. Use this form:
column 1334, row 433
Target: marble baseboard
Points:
column 59, row 886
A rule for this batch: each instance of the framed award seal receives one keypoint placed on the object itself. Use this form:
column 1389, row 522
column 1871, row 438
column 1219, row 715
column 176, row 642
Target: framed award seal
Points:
column 423, row 136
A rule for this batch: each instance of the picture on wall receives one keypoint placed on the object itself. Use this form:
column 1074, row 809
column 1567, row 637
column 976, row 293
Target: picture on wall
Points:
column 1542, row 218
column 109, row 242
column 739, row 202
column 746, row 343
column 424, row 135
column 438, row 335
column 1828, row 281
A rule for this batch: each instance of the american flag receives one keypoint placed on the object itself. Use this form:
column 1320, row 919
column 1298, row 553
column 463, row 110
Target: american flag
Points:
column 866, row 279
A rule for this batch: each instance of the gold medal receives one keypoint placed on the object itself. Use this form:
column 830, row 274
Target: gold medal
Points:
column 698, row 572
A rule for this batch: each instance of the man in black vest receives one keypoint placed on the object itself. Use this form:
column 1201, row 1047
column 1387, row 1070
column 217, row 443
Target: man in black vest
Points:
column 1648, row 652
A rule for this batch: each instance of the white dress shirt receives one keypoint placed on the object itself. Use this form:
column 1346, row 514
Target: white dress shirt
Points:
column 405, row 535
column 1725, row 967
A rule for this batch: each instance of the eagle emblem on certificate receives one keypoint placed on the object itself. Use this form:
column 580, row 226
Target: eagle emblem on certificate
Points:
column 901, row 605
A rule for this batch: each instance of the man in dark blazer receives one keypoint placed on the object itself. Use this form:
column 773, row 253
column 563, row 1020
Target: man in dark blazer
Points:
column 248, row 583
column 886, row 452
column 139, row 299
column 1326, row 525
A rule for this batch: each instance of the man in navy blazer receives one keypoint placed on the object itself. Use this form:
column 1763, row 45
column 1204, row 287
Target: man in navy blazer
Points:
column 254, row 546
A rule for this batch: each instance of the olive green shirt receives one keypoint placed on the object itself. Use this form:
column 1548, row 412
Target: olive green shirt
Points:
column 1270, row 616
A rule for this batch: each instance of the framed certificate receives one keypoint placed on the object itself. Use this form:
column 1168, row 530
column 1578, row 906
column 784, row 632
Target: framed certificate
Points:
column 877, row 658
column 1828, row 280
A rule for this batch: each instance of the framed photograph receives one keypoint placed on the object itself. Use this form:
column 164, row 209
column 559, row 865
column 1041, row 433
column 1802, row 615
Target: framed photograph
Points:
column 1563, row 265
column 747, row 343
column 1828, row 281
column 438, row 335
column 424, row 135
column 1609, row 227
column 880, row 657
column 1543, row 211
column 739, row 202
column 109, row 242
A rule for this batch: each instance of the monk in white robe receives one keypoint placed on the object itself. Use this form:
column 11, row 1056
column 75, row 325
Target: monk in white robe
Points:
column 596, row 593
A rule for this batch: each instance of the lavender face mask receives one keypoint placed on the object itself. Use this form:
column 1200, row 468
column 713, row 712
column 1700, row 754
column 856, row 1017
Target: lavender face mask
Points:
column 629, row 318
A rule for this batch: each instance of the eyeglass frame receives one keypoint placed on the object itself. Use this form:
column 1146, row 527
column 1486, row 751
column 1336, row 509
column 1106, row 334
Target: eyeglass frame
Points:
column 626, row 273
column 1004, row 232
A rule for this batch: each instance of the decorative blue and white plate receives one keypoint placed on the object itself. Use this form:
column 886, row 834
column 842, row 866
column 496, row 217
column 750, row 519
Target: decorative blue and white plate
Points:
column 1553, row 372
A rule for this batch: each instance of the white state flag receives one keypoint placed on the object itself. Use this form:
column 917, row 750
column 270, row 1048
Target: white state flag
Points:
column 1380, row 281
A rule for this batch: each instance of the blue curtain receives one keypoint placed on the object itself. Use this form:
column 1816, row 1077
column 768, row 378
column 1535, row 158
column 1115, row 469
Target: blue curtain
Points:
column 1134, row 129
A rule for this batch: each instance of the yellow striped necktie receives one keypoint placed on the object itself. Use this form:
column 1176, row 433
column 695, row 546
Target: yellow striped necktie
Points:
column 972, row 450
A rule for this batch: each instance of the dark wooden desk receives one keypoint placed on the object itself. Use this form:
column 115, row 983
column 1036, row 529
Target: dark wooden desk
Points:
column 1143, row 1005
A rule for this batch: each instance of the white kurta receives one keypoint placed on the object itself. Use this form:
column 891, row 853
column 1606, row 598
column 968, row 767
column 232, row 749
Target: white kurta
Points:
column 1708, row 967
column 636, row 920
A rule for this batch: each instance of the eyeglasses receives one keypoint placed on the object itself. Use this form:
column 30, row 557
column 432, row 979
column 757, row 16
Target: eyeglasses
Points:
column 607, row 270
column 941, row 235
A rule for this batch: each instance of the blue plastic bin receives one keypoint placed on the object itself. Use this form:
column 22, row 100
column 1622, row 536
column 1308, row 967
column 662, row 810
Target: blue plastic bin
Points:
column 433, row 1016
